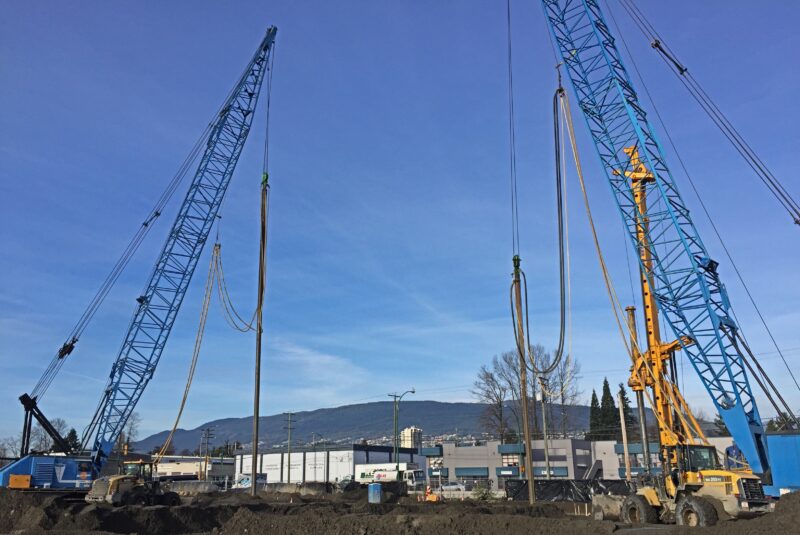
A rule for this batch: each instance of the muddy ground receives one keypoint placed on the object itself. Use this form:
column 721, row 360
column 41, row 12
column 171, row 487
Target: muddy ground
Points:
column 277, row 514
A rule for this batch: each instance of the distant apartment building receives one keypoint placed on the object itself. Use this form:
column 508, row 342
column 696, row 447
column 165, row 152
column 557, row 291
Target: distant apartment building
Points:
column 411, row 437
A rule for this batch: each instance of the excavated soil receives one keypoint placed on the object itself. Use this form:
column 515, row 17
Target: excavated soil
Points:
column 340, row 514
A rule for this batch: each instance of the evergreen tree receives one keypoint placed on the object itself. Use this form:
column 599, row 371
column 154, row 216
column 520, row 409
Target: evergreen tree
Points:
column 779, row 422
column 609, row 416
column 720, row 428
column 72, row 440
column 630, row 421
column 594, row 418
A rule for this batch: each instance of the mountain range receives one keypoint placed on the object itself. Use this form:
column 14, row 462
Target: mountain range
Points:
column 350, row 423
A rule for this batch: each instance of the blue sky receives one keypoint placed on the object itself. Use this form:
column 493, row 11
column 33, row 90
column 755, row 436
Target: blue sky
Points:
column 390, row 247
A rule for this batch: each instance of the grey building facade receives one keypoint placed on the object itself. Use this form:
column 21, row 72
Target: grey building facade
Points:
column 492, row 463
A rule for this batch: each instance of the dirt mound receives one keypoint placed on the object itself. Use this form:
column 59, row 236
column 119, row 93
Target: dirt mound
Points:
column 287, row 514
column 785, row 519
column 424, row 519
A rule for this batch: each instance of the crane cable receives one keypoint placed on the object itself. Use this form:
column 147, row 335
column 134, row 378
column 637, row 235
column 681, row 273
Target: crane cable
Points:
column 122, row 262
column 560, row 201
column 196, row 353
column 672, row 395
column 714, row 227
column 713, row 111
column 512, row 146
column 566, row 379
column 216, row 272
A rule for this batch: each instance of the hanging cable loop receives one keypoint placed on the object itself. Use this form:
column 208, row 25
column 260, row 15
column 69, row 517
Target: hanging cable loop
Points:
column 519, row 275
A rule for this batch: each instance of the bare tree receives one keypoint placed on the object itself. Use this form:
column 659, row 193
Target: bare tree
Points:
column 489, row 389
column 132, row 427
column 506, row 368
column 41, row 441
column 129, row 434
column 564, row 386
column 11, row 445
column 561, row 389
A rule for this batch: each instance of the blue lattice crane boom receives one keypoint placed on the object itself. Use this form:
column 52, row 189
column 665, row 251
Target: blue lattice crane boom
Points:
column 688, row 290
column 164, row 293
column 165, row 290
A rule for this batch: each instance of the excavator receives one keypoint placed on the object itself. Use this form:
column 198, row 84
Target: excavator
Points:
column 692, row 489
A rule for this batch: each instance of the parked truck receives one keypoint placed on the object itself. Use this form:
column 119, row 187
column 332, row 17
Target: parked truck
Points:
column 410, row 473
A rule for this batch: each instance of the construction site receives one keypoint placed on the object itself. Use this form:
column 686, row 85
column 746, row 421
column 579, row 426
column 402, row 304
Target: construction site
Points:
column 414, row 203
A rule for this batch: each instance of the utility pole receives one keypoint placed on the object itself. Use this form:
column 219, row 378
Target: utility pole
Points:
column 631, row 311
column 262, row 284
column 624, row 437
column 205, row 438
column 397, row 398
column 289, row 447
column 523, row 378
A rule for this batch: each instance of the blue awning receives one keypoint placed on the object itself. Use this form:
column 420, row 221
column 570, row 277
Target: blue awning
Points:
column 435, row 451
column 472, row 471
column 635, row 448
column 509, row 449
column 557, row 471
column 507, row 471
column 438, row 472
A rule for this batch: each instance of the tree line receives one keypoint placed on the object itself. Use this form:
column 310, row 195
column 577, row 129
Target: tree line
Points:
column 42, row 442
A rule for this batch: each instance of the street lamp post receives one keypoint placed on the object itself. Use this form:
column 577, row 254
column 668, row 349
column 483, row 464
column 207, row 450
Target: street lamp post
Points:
column 397, row 398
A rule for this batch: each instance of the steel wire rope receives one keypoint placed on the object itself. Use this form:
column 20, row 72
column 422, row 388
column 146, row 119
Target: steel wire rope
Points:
column 570, row 376
column 705, row 209
column 91, row 427
column 710, row 107
column 215, row 272
column 108, row 283
column 198, row 341
column 512, row 156
column 230, row 314
column 559, row 352
column 673, row 397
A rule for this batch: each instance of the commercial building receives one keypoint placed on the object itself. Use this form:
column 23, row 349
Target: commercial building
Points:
column 491, row 463
column 411, row 437
column 609, row 457
column 322, row 464
column 215, row 469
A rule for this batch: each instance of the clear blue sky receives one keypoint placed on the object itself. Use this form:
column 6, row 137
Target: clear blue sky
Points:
column 390, row 243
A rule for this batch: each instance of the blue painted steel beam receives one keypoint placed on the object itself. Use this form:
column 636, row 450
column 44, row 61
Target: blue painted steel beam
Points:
column 164, row 293
column 688, row 289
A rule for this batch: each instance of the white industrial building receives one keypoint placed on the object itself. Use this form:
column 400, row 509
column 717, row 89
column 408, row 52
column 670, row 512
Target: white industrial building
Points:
column 321, row 465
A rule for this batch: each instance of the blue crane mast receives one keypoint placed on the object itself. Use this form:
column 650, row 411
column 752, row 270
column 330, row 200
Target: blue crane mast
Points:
column 687, row 286
column 161, row 300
